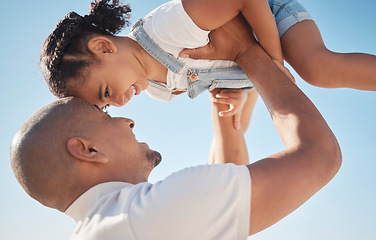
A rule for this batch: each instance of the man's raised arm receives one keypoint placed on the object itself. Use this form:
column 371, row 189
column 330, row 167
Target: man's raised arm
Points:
column 283, row 181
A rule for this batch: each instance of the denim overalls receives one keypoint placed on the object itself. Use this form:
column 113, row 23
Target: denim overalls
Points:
column 198, row 79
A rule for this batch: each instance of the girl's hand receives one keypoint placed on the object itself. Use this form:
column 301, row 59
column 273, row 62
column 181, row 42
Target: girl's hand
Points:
column 235, row 99
column 284, row 70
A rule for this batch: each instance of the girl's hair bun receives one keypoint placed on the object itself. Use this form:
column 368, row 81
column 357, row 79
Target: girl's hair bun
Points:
column 108, row 16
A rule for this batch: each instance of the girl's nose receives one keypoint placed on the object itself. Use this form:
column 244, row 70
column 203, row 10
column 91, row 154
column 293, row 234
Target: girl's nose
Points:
column 118, row 101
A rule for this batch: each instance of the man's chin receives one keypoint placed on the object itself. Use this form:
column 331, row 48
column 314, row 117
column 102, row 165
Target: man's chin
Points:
column 154, row 158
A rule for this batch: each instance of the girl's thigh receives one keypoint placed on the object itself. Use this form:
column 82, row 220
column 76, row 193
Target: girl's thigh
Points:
column 303, row 47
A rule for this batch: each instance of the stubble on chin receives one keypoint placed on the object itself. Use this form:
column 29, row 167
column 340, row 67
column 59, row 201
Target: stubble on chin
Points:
column 153, row 157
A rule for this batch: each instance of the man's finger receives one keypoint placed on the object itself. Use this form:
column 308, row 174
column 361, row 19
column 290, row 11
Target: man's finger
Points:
column 227, row 101
column 237, row 118
column 285, row 71
column 197, row 53
column 234, row 95
column 288, row 74
column 227, row 113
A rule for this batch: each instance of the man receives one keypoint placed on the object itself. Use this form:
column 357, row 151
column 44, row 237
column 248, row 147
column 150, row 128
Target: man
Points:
column 73, row 157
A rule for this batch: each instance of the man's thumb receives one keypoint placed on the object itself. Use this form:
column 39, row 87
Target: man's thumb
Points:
column 196, row 53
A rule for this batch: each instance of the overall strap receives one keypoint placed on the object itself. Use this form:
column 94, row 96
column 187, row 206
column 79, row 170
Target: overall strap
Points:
column 148, row 44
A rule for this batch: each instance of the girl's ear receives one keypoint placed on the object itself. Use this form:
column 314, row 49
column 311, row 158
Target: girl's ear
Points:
column 101, row 45
column 83, row 151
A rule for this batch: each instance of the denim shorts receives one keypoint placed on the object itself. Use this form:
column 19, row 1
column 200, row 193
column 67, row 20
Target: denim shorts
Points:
column 287, row 13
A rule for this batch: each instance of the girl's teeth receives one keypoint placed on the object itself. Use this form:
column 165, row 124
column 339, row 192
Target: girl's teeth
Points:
column 134, row 90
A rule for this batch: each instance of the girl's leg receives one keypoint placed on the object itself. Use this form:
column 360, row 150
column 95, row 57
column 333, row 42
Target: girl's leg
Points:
column 248, row 109
column 304, row 49
column 217, row 149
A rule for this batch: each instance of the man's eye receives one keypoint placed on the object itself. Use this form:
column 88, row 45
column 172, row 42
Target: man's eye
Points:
column 106, row 93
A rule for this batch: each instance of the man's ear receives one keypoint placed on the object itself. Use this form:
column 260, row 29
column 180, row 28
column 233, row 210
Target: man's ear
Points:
column 82, row 150
column 100, row 45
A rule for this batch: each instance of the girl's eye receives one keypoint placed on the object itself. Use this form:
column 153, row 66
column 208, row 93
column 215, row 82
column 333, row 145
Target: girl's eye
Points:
column 106, row 93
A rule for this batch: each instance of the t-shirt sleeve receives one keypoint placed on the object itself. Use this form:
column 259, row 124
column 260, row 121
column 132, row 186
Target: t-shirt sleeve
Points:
column 205, row 202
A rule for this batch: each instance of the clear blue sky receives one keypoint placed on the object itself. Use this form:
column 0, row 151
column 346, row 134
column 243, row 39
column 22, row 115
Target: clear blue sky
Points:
column 344, row 210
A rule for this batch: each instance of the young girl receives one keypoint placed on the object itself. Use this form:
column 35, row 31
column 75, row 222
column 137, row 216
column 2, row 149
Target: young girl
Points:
column 83, row 57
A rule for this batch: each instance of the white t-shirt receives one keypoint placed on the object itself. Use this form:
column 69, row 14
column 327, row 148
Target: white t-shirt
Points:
column 210, row 202
column 173, row 30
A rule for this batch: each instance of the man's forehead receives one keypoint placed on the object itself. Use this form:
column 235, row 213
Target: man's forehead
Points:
column 97, row 111
column 84, row 109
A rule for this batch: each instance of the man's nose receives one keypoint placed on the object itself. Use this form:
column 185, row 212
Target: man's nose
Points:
column 130, row 122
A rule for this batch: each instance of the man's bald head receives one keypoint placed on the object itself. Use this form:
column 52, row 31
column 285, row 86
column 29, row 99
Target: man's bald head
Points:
column 39, row 156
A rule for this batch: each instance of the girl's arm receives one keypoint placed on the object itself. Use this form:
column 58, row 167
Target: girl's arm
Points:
column 212, row 14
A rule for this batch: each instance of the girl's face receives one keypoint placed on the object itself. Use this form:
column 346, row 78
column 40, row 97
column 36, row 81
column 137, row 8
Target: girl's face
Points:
column 112, row 81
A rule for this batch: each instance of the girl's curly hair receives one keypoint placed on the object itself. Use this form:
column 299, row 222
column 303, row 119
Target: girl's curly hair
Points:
column 64, row 54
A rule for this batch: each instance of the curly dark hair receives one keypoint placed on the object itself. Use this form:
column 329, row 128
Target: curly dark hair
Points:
column 65, row 55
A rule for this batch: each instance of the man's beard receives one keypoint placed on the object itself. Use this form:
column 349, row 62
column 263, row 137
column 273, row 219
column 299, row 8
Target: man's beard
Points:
column 153, row 157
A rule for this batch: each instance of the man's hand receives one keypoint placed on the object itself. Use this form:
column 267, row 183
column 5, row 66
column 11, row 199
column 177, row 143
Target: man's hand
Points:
column 228, row 42
column 235, row 99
